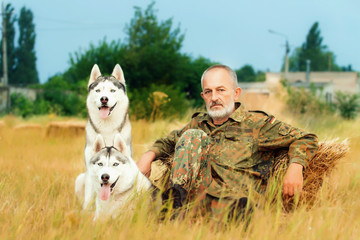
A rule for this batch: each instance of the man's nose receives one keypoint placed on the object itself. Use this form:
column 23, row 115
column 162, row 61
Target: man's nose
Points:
column 214, row 96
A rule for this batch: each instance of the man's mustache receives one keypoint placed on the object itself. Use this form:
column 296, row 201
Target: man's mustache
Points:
column 218, row 102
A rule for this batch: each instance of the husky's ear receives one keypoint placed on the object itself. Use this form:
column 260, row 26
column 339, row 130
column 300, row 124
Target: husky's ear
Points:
column 120, row 144
column 98, row 144
column 95, row 73
column 118, row 73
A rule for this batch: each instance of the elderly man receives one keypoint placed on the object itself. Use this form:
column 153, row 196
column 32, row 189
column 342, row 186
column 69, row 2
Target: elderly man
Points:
column 221, row 154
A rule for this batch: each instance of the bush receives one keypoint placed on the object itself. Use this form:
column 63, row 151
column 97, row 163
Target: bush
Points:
column 20, row 105
column 347, row 104
column 303, row 101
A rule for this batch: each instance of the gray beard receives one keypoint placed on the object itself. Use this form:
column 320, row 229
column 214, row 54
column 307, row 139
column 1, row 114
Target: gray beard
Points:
column 225, row 112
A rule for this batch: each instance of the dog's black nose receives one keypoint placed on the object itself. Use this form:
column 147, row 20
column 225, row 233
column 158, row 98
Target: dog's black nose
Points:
column 105, row 177
column 104, row 100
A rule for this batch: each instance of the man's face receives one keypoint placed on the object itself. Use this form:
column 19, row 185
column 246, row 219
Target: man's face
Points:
column 219, row 93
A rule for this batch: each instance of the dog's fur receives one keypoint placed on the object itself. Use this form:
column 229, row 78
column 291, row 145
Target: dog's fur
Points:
column 107, row 104
column 114, row 176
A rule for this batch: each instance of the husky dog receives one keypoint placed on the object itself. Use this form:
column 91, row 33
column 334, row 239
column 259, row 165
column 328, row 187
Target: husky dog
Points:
column 107, row 104
column 114, row 176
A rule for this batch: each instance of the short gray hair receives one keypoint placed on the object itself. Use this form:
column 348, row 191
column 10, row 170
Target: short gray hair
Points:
column 228, row 69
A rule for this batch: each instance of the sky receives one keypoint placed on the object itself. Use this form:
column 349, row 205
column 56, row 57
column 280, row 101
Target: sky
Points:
column 231, row 32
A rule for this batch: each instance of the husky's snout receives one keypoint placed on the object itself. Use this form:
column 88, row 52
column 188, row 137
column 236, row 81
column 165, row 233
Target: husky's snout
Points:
column 104, row 100
column 105, row 178
column 106, row 188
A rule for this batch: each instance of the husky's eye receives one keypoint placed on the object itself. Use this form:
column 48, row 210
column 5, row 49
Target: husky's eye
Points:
column 97, row 90
column 116, row 164
column 100, row 164
column 112, row 90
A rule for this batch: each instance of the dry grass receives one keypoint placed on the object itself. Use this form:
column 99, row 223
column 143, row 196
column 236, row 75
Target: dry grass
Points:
column 37, row 196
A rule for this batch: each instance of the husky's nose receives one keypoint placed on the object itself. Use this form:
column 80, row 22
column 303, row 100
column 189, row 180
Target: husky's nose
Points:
column 105, row 177
column 104, row 100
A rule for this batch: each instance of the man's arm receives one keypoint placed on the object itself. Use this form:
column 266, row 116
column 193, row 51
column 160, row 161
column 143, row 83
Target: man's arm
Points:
column 144, row 163
column 293, row 180
column 302, row 148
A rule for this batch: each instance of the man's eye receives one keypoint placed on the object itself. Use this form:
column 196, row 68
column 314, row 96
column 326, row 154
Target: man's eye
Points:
column 112, row 90
column 100, row 164
column 116, row 164
column 97, row 90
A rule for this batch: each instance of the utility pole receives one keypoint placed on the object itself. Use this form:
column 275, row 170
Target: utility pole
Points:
column 287, row 50
column 4, row 57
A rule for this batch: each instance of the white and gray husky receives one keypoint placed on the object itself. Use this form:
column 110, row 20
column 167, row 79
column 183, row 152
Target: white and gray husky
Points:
column 107, row 104
column 114, row 176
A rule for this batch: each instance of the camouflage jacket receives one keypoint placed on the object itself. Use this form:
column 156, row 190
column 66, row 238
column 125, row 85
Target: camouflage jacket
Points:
column 243, row 148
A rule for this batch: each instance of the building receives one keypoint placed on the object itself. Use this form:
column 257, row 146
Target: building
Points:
column 326, row 83
column 257, row 95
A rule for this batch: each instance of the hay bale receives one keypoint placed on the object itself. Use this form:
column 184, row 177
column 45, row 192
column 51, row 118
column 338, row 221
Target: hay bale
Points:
column 65, row 129
column 324, row 161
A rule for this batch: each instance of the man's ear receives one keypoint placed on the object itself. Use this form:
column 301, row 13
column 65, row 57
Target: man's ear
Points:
column 237, row 93
column 202, row 95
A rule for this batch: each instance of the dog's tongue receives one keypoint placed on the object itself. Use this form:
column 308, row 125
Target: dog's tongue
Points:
column 105, row 192
column 104, row 112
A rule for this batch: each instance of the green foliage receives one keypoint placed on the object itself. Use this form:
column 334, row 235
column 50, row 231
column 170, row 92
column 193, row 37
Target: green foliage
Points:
column 152, row 53
column 25, row 69
column 20, row 105
column 248, row 74
column 347, row 104
column 321, row 58
column 157, row 102
column 63, row 101
column 106, row 55
column 301, row 101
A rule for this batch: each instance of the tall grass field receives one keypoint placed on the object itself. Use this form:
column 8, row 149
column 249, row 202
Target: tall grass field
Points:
column 38, row 167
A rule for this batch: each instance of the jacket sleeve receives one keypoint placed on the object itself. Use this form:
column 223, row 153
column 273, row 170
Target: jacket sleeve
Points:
column 276, row 135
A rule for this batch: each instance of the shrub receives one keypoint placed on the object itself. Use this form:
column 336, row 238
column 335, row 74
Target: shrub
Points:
column 20, row 105
column 347, row 104
column 303, row 101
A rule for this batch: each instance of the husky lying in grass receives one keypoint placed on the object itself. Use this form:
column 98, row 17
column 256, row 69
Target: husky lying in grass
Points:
column 114, row 176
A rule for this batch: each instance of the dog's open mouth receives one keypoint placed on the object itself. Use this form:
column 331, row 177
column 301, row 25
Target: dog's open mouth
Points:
column 106, row 190
column 105, row 111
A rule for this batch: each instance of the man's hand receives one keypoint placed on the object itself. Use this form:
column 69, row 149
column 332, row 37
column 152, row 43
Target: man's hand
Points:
column 144, row 163
column 293, row 181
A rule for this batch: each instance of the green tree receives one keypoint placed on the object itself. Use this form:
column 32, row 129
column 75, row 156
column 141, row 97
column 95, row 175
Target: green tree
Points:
column 248, row 74
column 313, row 49
column 10, row 20
column 105, row 54
column 153, row 50
column 25, row 71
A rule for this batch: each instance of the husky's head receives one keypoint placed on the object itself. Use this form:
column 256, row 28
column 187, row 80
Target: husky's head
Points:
column 106, row 93
column 112, row 168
